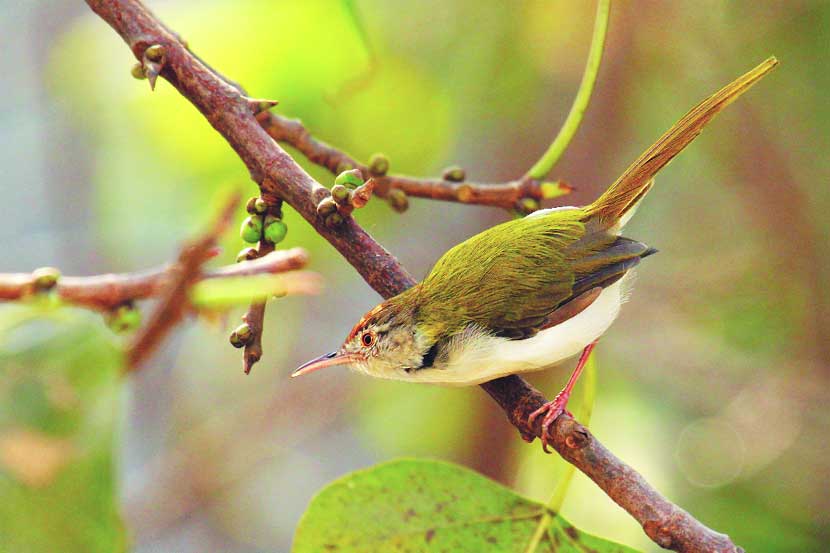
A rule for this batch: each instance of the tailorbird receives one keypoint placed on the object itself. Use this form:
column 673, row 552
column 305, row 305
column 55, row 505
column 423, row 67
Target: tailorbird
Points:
column 525, row 294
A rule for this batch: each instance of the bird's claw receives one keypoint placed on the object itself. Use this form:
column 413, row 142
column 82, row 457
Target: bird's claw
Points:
column 551, row 410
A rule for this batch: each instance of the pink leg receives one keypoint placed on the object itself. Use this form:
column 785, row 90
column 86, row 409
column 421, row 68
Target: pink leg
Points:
column 553, row 409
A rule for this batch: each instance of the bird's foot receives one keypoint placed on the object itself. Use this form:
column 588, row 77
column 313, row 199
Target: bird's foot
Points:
column 551, row 410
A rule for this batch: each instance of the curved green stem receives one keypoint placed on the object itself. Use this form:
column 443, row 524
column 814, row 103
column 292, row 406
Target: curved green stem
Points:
column 583, row 95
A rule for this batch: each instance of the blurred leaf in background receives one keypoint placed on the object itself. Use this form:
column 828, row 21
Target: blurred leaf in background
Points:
column 59, row 410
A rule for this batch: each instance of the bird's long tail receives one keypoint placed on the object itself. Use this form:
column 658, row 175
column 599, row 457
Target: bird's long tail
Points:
column 622, row 196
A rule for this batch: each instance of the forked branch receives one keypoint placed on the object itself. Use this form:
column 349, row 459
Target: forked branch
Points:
column 453, row 187
column 109, row 291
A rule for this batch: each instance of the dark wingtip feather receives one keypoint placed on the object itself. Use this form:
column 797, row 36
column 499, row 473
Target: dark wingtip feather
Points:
column 648, row 252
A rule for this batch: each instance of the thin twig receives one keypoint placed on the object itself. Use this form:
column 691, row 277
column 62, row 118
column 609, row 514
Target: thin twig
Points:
column 505, row 195
column 108, row 291
column 255, row 318
column 174, row 301
column 280, row 177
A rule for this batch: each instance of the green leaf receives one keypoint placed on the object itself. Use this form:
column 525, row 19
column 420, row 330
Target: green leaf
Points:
column 425, row 506
column 59, row 398
column 224, row 292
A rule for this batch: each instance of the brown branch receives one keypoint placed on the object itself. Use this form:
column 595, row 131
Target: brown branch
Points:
column 665, row 523
column 255, row 316
column 505, row 195
column 106, row 292
column 173, row 301
column 280, row 177
column 255, row 319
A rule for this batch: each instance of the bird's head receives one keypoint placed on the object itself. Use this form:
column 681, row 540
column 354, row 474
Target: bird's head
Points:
column 386, row 343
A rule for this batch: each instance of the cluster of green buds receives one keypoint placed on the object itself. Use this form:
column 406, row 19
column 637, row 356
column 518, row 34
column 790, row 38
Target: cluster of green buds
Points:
column 260, row 225
column 348, row 193
column 150, row 65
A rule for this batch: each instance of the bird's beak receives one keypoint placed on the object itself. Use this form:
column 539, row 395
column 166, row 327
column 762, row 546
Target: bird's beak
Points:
column 327, row 360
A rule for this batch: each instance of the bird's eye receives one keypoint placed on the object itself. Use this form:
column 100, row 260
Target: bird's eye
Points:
column 368, row 338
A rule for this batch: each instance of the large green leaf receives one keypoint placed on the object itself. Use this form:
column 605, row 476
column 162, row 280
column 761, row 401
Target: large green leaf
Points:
column 58, row 412
column 425, row 506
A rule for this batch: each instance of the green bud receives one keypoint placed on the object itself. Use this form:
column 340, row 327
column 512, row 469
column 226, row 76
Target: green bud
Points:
column 344, row 166
column 350, row 179
column 124, row 318
column 555, row 189
column 527, row 205
column 275, row 230
column 398, row 200
column 464, row 193
column 378, row 165
column 326, row 207
column 138, row 72
column 45, row 278
column 259, row 106
column 241, row 336
column 246, row 254
column 251, row 229
column 256, row 206
column 454, row 174
column 154, row 52
column 340, row 194
column 334, row 220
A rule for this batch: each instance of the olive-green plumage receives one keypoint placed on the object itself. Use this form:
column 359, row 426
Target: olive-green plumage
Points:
column 511, row 277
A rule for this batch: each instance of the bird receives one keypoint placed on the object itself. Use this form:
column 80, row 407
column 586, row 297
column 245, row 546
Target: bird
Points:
column 526, row 294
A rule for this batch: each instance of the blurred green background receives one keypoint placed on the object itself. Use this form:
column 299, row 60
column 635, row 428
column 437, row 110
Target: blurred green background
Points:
column 713, row 383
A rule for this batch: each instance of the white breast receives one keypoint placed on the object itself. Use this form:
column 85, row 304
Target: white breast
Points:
column 479, row 357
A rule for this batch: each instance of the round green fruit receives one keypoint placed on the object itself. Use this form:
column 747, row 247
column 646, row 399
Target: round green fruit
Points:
column 251, row 229
column 275, row 231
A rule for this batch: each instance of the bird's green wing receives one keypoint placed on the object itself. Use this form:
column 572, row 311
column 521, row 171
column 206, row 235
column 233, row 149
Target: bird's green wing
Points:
column 510, row 278
column 507, row 278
